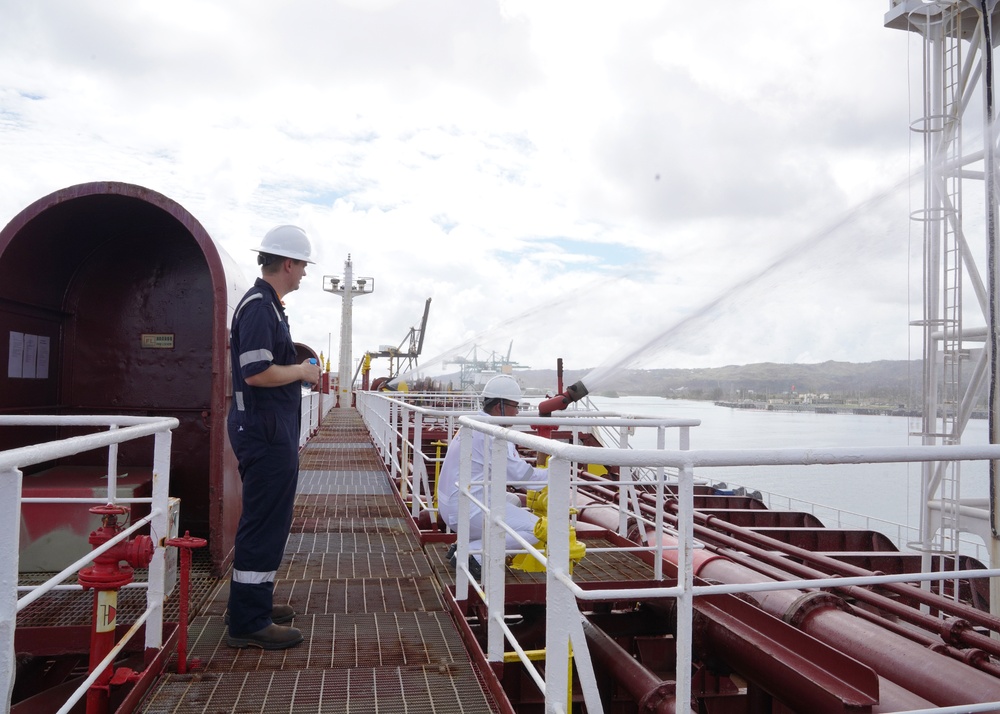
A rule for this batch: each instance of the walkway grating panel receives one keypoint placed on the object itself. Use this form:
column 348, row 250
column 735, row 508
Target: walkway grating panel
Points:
column 364, row 458
column 344, row 482
column 411, row 690
column 333, row 566
column 337, row 445
column 351, row 525
column 329, row 597
column 326, row 505
column 606, row 567
column 340, row 542
column 346, row 640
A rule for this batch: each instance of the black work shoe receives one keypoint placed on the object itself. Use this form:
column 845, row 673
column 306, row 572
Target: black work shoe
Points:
column 474, row 569
column 280, row 614
column 450, row 553
column 272, row 637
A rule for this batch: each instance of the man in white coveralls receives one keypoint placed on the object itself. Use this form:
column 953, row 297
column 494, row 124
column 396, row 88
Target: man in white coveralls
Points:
column 501, row 397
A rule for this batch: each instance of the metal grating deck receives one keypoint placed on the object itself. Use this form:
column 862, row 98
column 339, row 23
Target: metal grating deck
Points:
column 410, row 690
column 378, row 636
column 66, row 608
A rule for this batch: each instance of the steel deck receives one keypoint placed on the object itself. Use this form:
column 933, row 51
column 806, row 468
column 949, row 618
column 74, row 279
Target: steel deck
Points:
column 378, row 636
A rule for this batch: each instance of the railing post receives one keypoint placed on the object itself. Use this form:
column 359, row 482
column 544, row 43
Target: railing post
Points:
column 464, row 508
column 495, row 548
column 685, row 579
column 10, row 512
column 159, row 527
column 626, row 473
column 404, row 454
column 392, row 425
column 661, row 438
column 112, row 468
column 421, row 488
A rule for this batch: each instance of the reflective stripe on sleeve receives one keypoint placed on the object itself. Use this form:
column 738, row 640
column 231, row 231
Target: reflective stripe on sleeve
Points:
column 256, row 356
column 252, row 577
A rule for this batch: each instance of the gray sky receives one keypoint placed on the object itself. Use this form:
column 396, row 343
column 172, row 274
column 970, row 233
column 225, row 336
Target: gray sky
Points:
column 650, row 184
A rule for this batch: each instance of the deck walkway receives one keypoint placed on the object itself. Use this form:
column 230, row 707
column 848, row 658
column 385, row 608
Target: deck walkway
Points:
column 378, row 636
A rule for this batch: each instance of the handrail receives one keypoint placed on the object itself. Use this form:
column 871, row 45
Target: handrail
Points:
column 563, row 630
column 119, row 429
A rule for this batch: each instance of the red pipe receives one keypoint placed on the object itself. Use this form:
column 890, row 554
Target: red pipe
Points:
column 927, row 674
column 832, row 565
column 652, row 694
column 957, row 630
column 573, row 393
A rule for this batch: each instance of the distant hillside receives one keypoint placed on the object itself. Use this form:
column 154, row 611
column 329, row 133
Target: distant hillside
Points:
column 885, row 380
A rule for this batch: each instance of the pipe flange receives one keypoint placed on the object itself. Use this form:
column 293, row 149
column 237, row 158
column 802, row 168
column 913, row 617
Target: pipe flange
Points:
column 809, row 602
column 951, row 631
column 656, row 699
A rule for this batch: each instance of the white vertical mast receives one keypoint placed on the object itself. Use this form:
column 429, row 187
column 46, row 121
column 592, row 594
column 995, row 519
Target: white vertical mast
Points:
column 348, row 288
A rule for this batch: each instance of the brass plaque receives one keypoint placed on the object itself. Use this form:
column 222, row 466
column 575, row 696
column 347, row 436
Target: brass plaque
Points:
column 158, row 341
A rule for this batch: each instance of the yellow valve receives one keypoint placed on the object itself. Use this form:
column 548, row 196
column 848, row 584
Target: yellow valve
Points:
column 538, row 501
column 542, row 529
column 437, row 467
column 529, row 564
column 576, row 549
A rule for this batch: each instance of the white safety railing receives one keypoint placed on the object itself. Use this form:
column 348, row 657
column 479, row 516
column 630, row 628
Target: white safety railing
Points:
column 398, row 424
column 563, row 618
column 118, row 429
column 564, row 630
column 314, row 406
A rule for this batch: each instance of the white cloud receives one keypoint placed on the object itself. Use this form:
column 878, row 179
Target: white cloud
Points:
column 579, row 177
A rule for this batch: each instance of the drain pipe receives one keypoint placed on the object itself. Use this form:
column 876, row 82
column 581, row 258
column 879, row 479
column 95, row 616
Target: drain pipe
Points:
column 652, row 694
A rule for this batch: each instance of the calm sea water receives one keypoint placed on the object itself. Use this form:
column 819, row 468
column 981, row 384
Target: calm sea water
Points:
column 889, row 492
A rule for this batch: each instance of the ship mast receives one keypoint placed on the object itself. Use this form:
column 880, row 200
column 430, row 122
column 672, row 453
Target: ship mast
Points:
column 348, row 287
column 959, row 227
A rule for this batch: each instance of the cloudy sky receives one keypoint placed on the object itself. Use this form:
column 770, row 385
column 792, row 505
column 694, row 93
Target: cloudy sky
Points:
column 645, row 184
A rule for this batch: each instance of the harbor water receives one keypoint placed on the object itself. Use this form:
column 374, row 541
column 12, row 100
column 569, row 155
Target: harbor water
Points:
column 884, row 497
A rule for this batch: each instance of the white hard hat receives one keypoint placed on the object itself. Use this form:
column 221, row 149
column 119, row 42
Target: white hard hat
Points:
column 287, row 242
column 503, row 386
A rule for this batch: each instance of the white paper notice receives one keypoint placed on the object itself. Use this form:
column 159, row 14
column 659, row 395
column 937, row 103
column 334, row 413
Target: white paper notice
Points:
column 28, row 362
column 15, row 355
column 42, row 360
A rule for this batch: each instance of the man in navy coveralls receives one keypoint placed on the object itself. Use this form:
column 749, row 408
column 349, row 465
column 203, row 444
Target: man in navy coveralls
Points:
column 263, row 429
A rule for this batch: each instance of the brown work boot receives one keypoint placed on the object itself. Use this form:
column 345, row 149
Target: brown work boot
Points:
column 280, row 614
column 272, row 637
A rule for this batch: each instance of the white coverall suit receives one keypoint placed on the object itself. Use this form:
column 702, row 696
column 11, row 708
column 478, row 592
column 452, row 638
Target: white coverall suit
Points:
column 517, row 517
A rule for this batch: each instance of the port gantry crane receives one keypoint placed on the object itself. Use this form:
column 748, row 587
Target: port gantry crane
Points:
column 400, row 360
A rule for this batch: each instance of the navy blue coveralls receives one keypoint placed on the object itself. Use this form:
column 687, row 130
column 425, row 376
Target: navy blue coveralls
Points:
column 263, row 429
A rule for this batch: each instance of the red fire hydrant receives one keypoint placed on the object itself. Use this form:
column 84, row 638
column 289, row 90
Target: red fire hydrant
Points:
column 106, row 576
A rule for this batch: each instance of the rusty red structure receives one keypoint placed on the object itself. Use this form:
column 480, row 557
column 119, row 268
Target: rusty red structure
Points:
column 131, row 297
